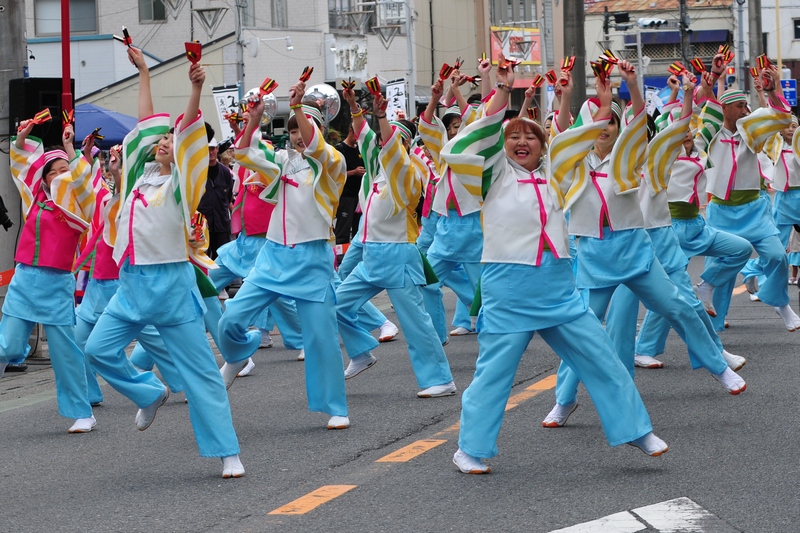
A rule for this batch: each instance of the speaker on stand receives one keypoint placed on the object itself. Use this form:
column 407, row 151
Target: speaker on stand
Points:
column 28, row 96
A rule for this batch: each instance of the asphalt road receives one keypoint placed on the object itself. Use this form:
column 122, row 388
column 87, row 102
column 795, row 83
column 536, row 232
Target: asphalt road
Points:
column 732, row 456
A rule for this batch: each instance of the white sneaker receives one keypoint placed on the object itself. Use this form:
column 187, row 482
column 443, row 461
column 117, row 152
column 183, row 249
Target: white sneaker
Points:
column 558, row 416
column 339, row 422
column 650, row 444
column 247, row 368
column 468, row 464
column 3, row 368
column 790, row 319
column 359, row 364
column 232, row 467
column 751, row 284
column 266, row 340
column 83, row 425
column 229, row 372
column 754, row 298
column 705, row 293
column 302, row 355
column 645, row 361
column 462, row 331
column 388, row 332
column 735, row 362
column 731, row 381
column 437, row 391
column 145, row 416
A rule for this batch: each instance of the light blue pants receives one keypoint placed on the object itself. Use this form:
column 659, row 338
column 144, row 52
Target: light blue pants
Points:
column 323, row 363
column 582, row 345
column 65, row 357
column 427, row 355
column 464, row 287
column 282, row 311
column 191, row 355
column 772, row 270
column 369, row 316
column 652, row 338
column 658, row 293
column 142, row 360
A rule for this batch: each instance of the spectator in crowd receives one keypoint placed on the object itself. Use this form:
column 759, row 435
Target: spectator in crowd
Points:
column 346, row 221
column 217, row 201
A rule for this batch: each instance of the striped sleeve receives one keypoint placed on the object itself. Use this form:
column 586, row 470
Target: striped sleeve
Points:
column 27, row 164
column 404, row 183
column 370, row 153
column 330, row 173
column 773, row 147
column 110, row 213
column 418, row 159
column 711, row 120
column 434, row 135
column 470, row 115
column 191, row 160
column 796, row 148
column 757, row 127
column 627, row 157
column 139, row 148
column 260, row 158
column 476, row 153
column 74, row 194
column 662, row 152
column 567, row 151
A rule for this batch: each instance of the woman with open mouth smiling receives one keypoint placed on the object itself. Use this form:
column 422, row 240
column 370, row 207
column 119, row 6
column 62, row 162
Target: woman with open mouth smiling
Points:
column 526, row 248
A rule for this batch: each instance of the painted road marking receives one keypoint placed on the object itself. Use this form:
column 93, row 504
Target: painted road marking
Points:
column 415, row 449
column 312, row 500
column 681, row 514
column 618, row 523
column 672, row 516
column 327, row 493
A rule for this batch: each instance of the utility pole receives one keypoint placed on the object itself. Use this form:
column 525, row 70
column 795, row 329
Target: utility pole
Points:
column 740, row 72
column 12, row 65
column 756, row 43
column 575, row 45
column 685, row 31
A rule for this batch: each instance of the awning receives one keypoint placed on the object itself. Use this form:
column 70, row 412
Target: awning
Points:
column 674, row 37
column 422, row 94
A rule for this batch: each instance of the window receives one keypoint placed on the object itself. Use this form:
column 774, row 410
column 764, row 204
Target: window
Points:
column 280, row 17
column 796, row 28
column 47, row 16
column 247, row 12
column 152, row 11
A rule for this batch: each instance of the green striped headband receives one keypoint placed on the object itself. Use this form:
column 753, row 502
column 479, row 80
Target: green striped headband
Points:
column 404, row 131
column 453, row 109
column 732, row 96
column 794, row 120
column 312, row 113
column 617, row 110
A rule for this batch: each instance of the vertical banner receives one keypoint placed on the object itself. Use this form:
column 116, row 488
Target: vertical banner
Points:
column 396, row 98
column 226, row 98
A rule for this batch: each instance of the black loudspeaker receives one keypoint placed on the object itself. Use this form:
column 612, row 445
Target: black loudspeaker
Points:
column 28, row 96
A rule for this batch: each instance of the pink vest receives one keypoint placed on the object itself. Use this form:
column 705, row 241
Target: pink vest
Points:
column 46, row 239
column 251, row 213
column 103, row 266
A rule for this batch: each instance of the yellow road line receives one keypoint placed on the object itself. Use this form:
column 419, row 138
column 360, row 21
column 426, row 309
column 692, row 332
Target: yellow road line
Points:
column 405, row 454
column 312, row 500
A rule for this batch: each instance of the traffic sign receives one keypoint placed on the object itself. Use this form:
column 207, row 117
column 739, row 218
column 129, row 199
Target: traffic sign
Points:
column 790, row 91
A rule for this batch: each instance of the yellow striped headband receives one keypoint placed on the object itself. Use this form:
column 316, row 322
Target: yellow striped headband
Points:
column 405, row 133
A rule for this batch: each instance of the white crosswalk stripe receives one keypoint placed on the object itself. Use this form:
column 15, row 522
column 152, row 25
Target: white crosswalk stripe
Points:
column 680, row 515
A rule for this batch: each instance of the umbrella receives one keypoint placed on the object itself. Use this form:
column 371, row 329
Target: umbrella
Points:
column 115, row 126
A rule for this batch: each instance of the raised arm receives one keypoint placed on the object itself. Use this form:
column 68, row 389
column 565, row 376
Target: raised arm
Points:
column 197, row 75
column 562, row 117
column 628, row 74
column 430, row 110
column 356, row 112
column 145, row 96
column 305, row 126
column 530, row 92
column 505, row 82
column 485, row 69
